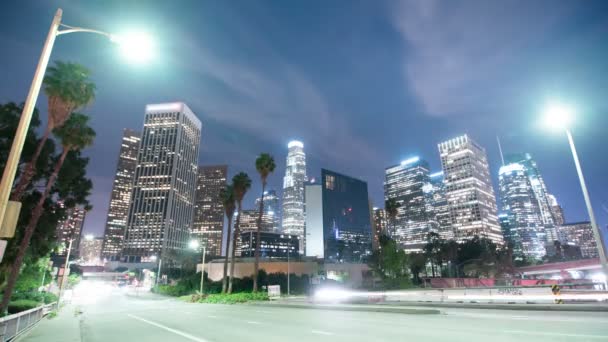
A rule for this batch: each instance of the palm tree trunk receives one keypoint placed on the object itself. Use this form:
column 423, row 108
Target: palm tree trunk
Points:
column 234, row 239
column 29, row 231
column 256, row 265
column 224, row 280
column 30, row 168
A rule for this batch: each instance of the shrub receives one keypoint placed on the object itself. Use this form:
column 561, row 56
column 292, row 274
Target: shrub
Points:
column 49, row 297
column 22, row 305
column 40, row 297
column 233, row 298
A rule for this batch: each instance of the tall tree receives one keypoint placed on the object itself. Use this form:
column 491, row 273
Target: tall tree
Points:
column 391, row 206
column 227, row 197
column 240, row 183
column 75, row 134
column 265, row 165
column 390, row 263
column 68, row 88
column 10, row 113
column 71, row 181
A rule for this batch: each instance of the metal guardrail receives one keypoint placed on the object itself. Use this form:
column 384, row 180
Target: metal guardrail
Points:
column 13, row 325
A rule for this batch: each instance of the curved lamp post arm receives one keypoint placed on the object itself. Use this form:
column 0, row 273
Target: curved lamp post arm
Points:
column 73, row 29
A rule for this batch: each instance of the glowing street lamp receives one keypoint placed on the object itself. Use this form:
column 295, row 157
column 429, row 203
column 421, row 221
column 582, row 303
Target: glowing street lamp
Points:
column 559, row 117
column 194, row 244
column 134, row 46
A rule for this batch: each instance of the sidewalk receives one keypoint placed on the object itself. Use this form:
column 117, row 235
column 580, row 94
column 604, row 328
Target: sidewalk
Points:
column 65, row 327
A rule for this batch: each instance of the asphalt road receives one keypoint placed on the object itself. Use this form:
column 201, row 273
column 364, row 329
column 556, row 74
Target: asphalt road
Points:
column 117, row 316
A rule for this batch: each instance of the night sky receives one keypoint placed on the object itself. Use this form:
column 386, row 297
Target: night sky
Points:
column 364, row 84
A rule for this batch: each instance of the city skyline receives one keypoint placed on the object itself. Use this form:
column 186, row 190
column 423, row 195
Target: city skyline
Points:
column 353, row 107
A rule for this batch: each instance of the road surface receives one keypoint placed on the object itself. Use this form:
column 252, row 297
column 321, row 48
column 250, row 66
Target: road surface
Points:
column 118, row 316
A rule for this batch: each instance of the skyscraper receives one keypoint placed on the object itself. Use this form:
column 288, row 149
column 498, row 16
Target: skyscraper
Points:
column 469, row 191
column 70, row 228
column 90, row 249
column 405, row 183
column 537, row 184
column 437, row 205
column 120, row 198
column 557, row 210
column 208, row 224
column 293, row 192
column 518, row 201
column 270, row 214
column 338, row 223
column 581, row 235
column 164, row 186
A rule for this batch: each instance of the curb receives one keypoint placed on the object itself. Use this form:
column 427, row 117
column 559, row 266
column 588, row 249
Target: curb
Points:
column 407, row 311
column 515, row 307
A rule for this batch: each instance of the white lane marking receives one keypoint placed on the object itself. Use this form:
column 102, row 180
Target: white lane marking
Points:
column 211, row 316
column 551, row 334
column 262, row 311
column 177, row 332
column 320, row 332
column 253, row 322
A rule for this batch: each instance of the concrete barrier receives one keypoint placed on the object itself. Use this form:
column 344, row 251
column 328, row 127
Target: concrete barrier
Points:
column 493, row 295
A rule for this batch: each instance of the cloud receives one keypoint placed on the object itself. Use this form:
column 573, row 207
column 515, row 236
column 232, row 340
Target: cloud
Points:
column 275, row 101
column 457, row 52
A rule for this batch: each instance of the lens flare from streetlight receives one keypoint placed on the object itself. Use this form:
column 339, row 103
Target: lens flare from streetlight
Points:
column 558, row 116
column 135, row 46
column 193, row 244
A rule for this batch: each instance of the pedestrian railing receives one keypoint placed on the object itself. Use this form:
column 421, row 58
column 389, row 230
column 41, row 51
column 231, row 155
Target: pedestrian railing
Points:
column 13, row 325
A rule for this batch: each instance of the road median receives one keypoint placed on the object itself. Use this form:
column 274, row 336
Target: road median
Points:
column 350, row 307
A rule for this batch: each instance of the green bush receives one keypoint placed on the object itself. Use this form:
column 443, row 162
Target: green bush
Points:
column 172, row 290
column 40, row 297
column 232, row 298
column 49, row 297
column 22, row 305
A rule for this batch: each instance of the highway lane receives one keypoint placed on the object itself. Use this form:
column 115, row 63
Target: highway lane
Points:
column 125, row 317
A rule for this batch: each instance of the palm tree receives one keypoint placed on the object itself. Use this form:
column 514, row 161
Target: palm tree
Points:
column 265, row 166
column 391, row 206
column 68, row 88
column 75, row 134
column 227, row 198
column 240, row 183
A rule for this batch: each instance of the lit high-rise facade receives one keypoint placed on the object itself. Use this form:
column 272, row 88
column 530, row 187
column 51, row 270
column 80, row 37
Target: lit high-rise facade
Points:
column 437, row 205
column 581, row 235
column 557, row 210
column 405, row 183
column 518, row 201
column 208, row 224
column 468, row 188
column 120, row 198
column 270, row 212
column 162, row 205
column 70, row 228
column 294, row 219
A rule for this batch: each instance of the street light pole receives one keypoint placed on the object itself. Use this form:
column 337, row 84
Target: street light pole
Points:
column 594, row 227
column 8, row 176
column 65, row 271
column 203, row 269
column 288, row 252
column 160, row 261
